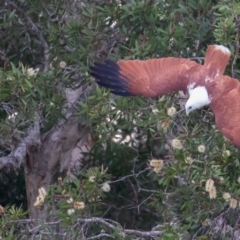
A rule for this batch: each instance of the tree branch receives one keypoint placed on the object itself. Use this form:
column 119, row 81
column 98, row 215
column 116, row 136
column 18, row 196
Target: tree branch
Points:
column 10, row 162
column 115, row 225
column 110, row 224
column 18, row 155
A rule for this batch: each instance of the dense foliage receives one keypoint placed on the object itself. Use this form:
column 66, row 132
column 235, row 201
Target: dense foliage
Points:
column 152, row 172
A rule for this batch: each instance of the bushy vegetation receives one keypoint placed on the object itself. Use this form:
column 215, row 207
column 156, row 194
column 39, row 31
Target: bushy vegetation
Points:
column 148, row 171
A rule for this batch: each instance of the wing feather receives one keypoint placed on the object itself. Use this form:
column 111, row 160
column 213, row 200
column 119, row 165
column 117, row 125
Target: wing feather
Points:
column 157, row 77
column 149, row 78
column 225, row 104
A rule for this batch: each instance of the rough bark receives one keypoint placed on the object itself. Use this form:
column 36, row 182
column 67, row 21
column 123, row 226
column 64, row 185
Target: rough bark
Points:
column 58, row 150
column 44, row 162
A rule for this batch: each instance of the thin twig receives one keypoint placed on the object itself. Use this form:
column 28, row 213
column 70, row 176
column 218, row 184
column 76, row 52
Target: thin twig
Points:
column 130, row 175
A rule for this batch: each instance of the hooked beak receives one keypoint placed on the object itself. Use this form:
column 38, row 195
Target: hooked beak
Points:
column 188, row 110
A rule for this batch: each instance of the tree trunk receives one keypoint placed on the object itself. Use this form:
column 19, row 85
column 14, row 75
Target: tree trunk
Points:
column 55, row 153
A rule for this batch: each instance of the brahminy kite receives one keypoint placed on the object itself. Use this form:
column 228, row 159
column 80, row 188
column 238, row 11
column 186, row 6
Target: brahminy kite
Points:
column 205, row 84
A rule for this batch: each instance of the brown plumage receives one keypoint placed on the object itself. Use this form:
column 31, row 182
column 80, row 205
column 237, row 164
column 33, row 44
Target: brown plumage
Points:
column 225, row 94
column 157, row 77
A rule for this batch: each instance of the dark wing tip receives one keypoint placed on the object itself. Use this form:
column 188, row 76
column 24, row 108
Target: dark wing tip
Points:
column 108, row 75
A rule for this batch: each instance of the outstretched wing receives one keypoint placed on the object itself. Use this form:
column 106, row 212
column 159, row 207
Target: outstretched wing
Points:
column 225, row 94
column 157, row 77
column 149, row 78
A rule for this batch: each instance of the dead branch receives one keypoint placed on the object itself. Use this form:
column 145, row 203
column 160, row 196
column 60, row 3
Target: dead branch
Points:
column 113, row 225
column 18, row 155
column 110, row 224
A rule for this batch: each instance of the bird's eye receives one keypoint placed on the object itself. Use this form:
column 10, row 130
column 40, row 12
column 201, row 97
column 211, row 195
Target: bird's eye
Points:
column 189, row 108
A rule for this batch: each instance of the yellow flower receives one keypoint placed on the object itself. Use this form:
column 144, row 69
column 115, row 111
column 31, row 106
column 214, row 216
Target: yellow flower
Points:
column 40, row 198
column 165, row 123
column 209, row 185
column 62, row 64
column 171, row 111
column 201, row 148
column 213, row 193
column 42, row 192
column 176, row 143
column 233, row 203
column 226, row 196
column 39, row 201
column 157, row 165
column 79, row 205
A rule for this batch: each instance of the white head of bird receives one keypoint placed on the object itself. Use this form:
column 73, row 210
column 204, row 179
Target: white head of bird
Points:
column 198, row 98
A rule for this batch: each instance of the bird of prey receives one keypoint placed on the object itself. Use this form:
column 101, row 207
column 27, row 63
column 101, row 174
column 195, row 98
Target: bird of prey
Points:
column 205, row 84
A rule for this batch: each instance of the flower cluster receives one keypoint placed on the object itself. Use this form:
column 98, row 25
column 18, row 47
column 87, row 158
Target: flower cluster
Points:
column 233, row 202
column 75, row 205
column 157, row 165
column 226, row 196
column 79, row 205
column 171, row 111
column 62, row 64
column 176, row 144
column 201, row 148
column 41, row 197
column 32, row 71
column 92, row 179
column 165, row 123
column 211, row 189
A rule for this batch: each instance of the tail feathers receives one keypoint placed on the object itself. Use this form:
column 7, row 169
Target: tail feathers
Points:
column 108, row 75
column 217, row 58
